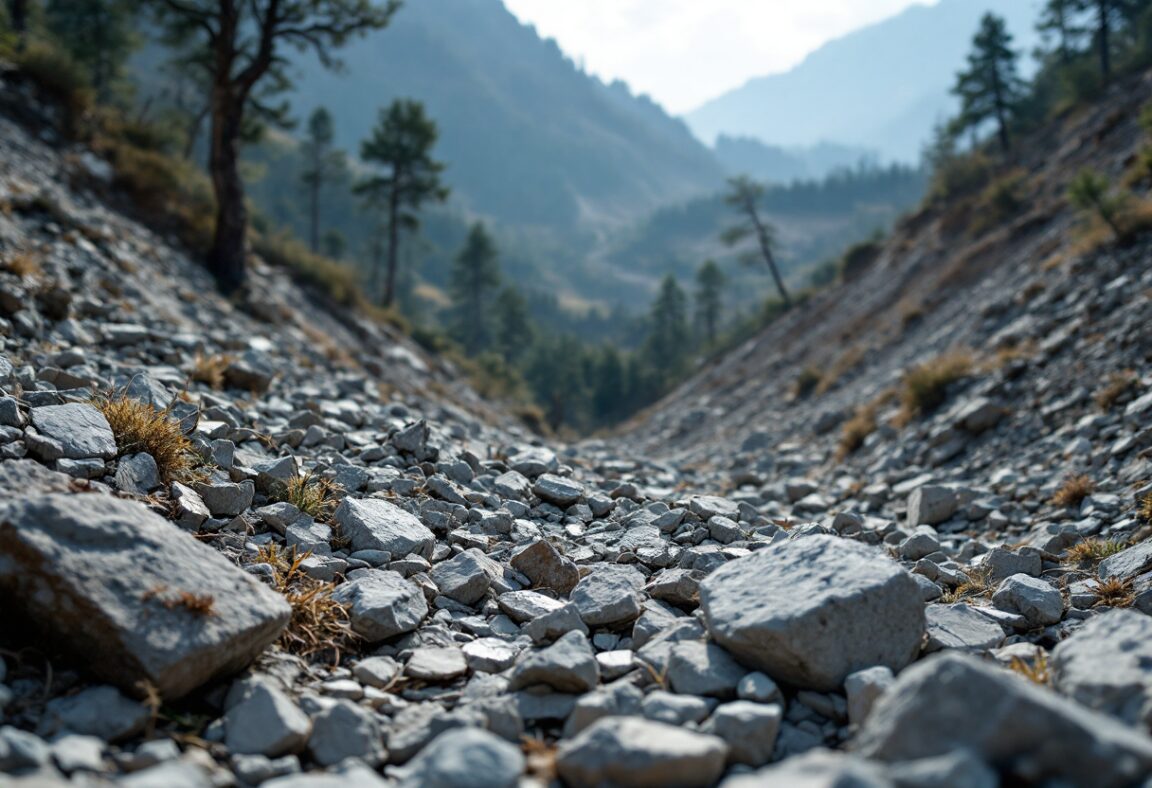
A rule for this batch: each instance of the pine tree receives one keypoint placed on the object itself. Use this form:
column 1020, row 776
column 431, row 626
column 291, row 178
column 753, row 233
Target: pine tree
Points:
column 990, row 88
column 709, row 294
column 333, row 244
column 401, row 143
column 610, row 394
column 745, row 195
column 475, row 277
column 99, row 34
column 242, row 42
column 668, row 335
column 1107, row 17
column 1058, row 20
column 322, row 164
column 514, row 330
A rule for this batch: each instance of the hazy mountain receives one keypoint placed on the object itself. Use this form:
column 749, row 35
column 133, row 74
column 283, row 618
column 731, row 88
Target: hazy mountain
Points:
column 776, row 164
column 881, row 87
column 529, row 138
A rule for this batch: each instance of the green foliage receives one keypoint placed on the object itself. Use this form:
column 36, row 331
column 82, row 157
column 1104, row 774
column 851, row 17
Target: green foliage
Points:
column 668, row 337
column 475, row 277
column 1091, row 192
column 990, row 88
column 327, row 276
column 99, row 34
column 745, row 196
column 514, row 331
column 710, row 281
column 858, row 257
column 55, row 72
column 322, row 166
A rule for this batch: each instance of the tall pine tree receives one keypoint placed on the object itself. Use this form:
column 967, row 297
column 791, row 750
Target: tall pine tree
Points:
column 667, row 344
column 709, row 297
column 99, row 34
column 990, row 88
column 475, row 277
column 321, row 165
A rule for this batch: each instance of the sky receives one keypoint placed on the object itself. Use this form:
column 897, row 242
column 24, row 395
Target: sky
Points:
column 685, row 52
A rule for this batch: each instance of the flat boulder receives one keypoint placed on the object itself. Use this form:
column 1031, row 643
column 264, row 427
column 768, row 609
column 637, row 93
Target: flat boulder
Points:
column 373, row 524
column 73, row 431
column 812, row 610
column 1107, row 665
column 130, row 595
column 382, row 604
column 953, row 701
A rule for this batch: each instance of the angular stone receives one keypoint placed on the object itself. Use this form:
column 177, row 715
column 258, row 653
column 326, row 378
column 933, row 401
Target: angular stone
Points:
column 558, row 490
column 345, row 730
column 696, row 668
column 264, row 721
column 541, row 563
column 816, row 769
column 1107, row 665
column 708, row 506
column 512, row 485
column 436, row 664
column 630, row 751
column 79, row 431
column 189, row 508
column 382, row 604
column 463, row 578
column 1001, row 563
column 523, row 606
column 1039, row 603
column 226, row 499
column 137, row 473
column 465, row 758
column 812, row 610
column 1128, row 563
column 750, row 730
column 862, row 689
column 676, row 586
column 609, row 595
column 373, row 524
column 99, row 711
column 568, row 665
column 951, row 701
column 961, row 626
column 118, row 586
column 930, row 504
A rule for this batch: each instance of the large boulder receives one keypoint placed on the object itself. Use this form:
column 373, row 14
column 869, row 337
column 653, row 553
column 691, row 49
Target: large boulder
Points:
column 1029, row 733
column 74, row 431
column 373, row 524
column 812, row 610
column 1107, row 665
column 130, row 595
column 382, row 604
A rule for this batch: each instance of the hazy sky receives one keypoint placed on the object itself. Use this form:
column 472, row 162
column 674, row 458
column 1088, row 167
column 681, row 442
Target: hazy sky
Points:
column 684, row 52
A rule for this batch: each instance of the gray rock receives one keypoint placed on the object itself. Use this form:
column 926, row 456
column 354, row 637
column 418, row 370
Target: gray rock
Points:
column 1001, row 563
column 555, row 623
column 541, row 563
column 175, row 774
column 74, row 431
column 377, row 672
column 708, row 506
column 189, row 509
column 137, row 473
column 810, row 611
column 951, row 701
column 759, row 687
column 264, row 721
column 74, row 753
column 630, row 751
column 99, row 711
column 568, row 665
column 373, row 524
column 21, row 750
column 960, row 769
column 750, row 730
column 465, row 758
column 676, row 586
column 696, row 668
column 558, row 490
column 1128, row 563
column 1107, row 665
column 106, row 578
column 815, row 769
column 345, row 730
column 463, row 578
column 490, row 655
column 413, row 439
column 923, row 542
column 931, row 504
column 863, row 688
column 252, row 371
column 512, row 484
column 382, row 604
column 226, row 499
column 522, row 606
column 349, row 775
column 673, row 709
column 1038, row 602
column 609, row 595
column 533, row 461
column 961, row 626
column 431, row 663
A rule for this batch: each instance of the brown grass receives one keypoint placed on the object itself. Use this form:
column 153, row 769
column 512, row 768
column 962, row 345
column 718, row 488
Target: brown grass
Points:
column 806, row 382
column 319, row 624
column 24, row 263
column 1090, row 552
column 925, row 387
column 1037, row 670
column 313, row 495
column 1144, row 509
column 845, row 363
column 1073, row 492
column 978, row 584
column 856, row 430
column 209, row 370
column 200, row 604
column 1119, row 384
column 1114, row 592
column 139, row 427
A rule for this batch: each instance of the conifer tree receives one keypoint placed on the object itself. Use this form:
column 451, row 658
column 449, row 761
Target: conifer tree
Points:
column 709, row 296
column 1058, row 20
column 668, row 336
column 475, row 277
column 514, row 330
column 990, row 88
column 322, row 164
column 745, row 195
column 1107, row 16
column 99, row 34
column 401, row 144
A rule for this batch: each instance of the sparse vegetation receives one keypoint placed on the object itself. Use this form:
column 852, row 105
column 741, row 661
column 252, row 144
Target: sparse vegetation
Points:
column 140, row 427
column 23, row 263
column 1090, row 552
column 857, row 429
column 978, row 584
column 1144, row 510
column 209, row 370
column 1073, row 491
column 1114, row 592
column 199, row 604
column 925, row 387
column 1035, row 670
column 1091, row 192
column 335, row 280
column 1118, row 385
column 314, row 495
column 806, row 382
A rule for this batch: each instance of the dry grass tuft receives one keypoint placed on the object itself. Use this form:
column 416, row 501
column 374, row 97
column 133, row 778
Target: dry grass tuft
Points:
column 1144, row 509
column 979, row 584
column 313, row 495
column 319, row 624
column 925, row 387
column 209, row 370
column 1074, row 490
column 1037, row 670
column 1090, row 552
column 856, row 430
column 1114, row 592
column 23, row 264
column 540, row 759
column 847, row 361
column 806, row 382
column 140, row 427
column 199, row 604
column 1119, row 384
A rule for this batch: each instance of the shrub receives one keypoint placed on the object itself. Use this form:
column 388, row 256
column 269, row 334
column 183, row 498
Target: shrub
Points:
column 209, row 370
column 806, row 382
column 139, row 427
column 1001, row 200
column 1114, row 592
column 1090, row 192
column 925, row 387
column 859, row 257
column 1091, row 552
column 339, row 282
column 856, row 430
column 59, row 77
column 311, row 494
column 1118, row 385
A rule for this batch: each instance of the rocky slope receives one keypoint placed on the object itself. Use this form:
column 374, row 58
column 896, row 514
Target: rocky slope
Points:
column 364, row 578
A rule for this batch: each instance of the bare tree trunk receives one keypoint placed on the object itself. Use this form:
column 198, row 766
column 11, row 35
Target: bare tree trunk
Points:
column 226, row 259
column 393, row 246
column 314, row 211
column 769, row 258
column 1103, row 33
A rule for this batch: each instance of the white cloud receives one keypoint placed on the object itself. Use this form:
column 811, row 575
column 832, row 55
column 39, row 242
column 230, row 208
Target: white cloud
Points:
column 684, row 52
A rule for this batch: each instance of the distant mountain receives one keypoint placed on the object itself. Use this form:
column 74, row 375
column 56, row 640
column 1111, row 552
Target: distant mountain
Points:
column 775, row 164
column 529, row 138
column 881, row 87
